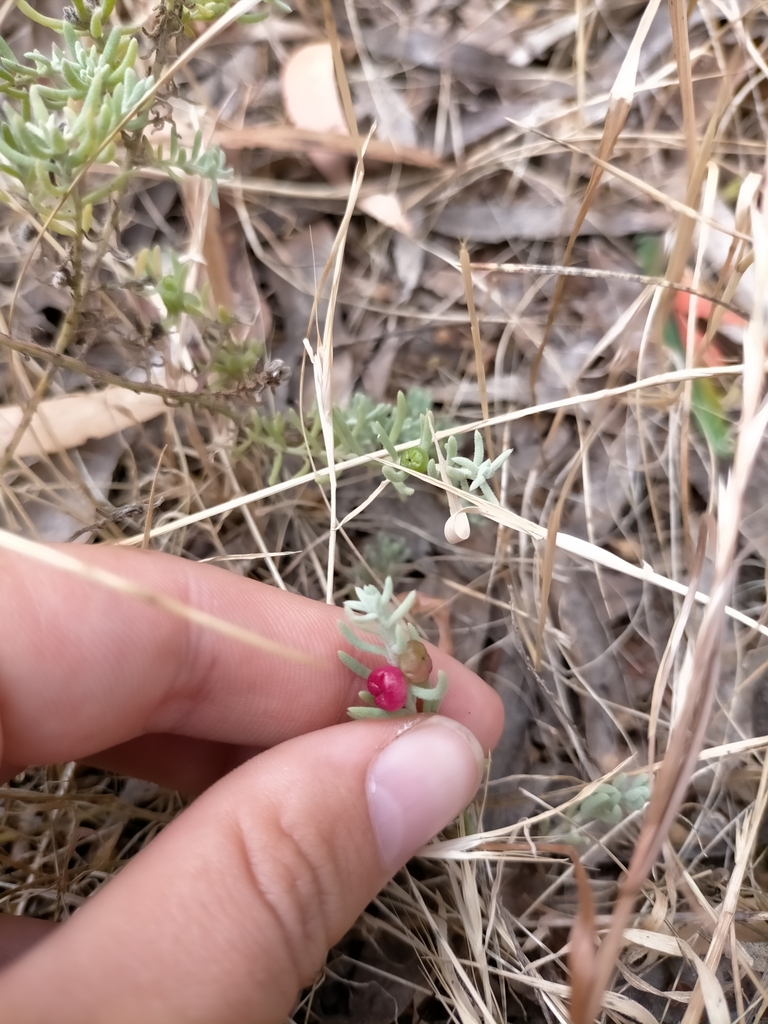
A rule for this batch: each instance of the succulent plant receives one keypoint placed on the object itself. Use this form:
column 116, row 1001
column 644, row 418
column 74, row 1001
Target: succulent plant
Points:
column 395, row 688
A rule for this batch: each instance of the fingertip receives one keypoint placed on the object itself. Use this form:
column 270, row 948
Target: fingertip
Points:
column 471, row 702
column 409, row 805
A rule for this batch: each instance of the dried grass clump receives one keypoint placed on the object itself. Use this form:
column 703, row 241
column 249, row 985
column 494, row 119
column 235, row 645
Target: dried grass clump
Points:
column 552, row 215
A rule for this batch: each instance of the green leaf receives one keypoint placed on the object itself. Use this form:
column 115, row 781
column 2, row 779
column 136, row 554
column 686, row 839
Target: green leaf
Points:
column 352, row 663
column 706, row 402
column 126, row 64
column 375, row 713
column 53, row 23
column 359, row 643
column 706, row 397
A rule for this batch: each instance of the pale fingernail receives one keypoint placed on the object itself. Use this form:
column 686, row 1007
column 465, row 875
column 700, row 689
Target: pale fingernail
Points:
column 419, row 783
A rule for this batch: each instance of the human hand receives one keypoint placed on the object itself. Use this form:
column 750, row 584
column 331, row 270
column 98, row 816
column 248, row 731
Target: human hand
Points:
column 232, row 908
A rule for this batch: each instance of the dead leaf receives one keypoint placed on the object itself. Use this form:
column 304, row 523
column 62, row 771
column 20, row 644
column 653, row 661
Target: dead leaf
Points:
column 532, row 220
column 67, row 422
column 386, row 209
column 583, row 945
column 408, row 258
column 287, row 138
column 462, row 61
column 231, row 277
column 583, row 617
column 311, row 101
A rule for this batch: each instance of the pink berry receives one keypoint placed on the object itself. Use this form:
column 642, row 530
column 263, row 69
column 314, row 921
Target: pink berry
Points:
column 388, row 686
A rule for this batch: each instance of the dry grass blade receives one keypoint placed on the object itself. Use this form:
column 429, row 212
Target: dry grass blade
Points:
column 322, row 365
column 582, row 946
column 55, row 558
column 675, row 639
column 608, row 275
column 690, row 345
column 678, row 16
column 699, row 156
column 288, row 138
column 619, row 104
column 754, row 422
column 688, row 730
column 151, row 503
column 341, row 77
column 686, row 209
column 477, row 343
column 547, row 569
column 456, row 528
column 708, row 993
column 550, row 544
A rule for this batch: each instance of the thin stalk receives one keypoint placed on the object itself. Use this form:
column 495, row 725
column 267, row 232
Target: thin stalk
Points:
column 68, row 330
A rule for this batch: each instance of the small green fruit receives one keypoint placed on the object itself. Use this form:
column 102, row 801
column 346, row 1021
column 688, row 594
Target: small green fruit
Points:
column 415, row 459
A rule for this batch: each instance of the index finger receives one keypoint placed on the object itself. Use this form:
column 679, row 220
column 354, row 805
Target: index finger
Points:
column 83, row 668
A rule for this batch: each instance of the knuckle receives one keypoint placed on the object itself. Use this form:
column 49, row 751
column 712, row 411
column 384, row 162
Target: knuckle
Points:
column 193, row 659
column 294, row 884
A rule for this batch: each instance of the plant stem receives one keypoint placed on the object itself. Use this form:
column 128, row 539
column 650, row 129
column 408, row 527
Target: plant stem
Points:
column 169, row 27
column 55, row 23
column 64, row 362
column 68, row 328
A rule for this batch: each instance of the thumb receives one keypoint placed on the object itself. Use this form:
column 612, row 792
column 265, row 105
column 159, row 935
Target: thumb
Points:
column 232, row 909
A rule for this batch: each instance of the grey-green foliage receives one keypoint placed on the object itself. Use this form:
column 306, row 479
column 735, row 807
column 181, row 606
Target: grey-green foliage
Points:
column 198, row 162
column 386, row 554
column 282, row 435
column 610, row 804
column 471, row 474
column 74, row 69
column 209, row 10
column 55, row 131
column 613, row 801
column 366, row 426
column 169, row 283
column 358, row 430
column 372, row 612
column 361, row 423
column 405, row 421
column 73, row 107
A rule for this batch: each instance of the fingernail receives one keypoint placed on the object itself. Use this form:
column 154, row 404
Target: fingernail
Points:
column 419, row 783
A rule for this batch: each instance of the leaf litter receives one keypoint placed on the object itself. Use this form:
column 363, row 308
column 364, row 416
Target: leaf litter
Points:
column 566, row 145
